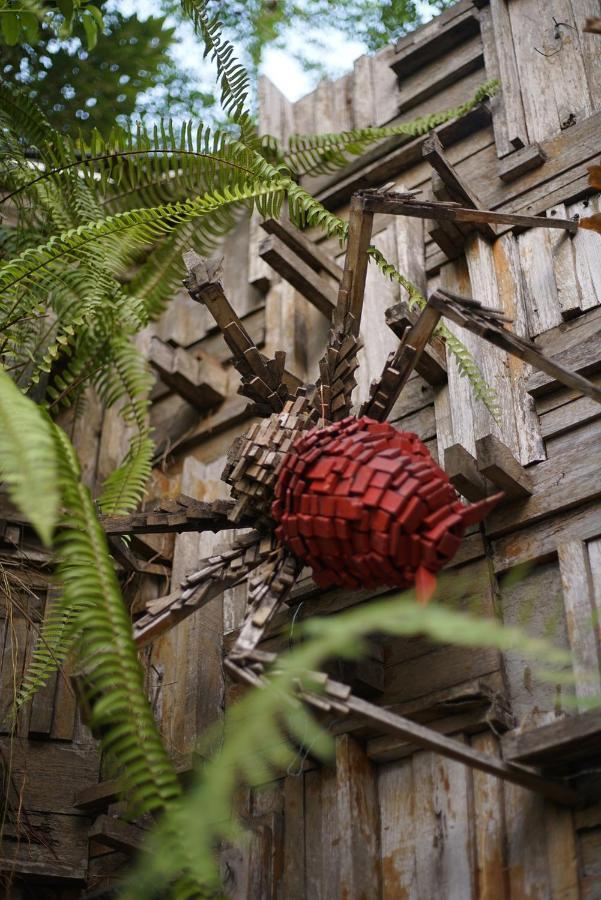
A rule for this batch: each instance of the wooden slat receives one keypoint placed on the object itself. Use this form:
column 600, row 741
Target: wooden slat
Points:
column 497, row 463
column 511, row 98
column 489, row 826
column 578, row 600
column 463, row 472
column 117, row 834
column 299, row 274
column 583, row 357
column 521, row 161
column 398, row 808
column 430, row 79
column 294, row 842
column 309, row 251
column 358, row 821
column 568, row 741
column 431, row 365
column 429, row 45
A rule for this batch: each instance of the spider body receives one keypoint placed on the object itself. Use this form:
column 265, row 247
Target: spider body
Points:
column 361, row 503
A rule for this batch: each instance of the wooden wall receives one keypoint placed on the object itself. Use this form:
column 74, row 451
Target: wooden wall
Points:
column 387, row 820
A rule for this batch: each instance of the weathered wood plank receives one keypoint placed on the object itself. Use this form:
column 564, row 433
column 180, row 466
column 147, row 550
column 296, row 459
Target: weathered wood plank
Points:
column 565, row 741
column 358, row 820
column 294, row 838
column 429, row 79
column 398, row 808
column 497, row 463
column 577, row 586
column 117, row 834
column 300, row 275
column 489, row 826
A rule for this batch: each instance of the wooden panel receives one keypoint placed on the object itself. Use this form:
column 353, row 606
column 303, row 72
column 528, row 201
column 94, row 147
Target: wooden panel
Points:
column 47, row 845
column 428, row 80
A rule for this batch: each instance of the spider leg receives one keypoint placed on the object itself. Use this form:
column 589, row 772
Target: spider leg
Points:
column 386, row 389
column 262, row 378
column 338, row 364
column 216, row 574
column 268, row 587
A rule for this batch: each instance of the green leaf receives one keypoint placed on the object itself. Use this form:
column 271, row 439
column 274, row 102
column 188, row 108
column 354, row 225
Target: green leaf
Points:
column 66, row 7
column 11, row 27
column 90, row 8
column 31, row 27
column 28, row 458
column 91, row 30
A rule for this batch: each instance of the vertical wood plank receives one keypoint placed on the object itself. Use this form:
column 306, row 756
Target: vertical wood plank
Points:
column 565, row 65
column 564, row 265
column 531, row 24
column 364, row 108
column 330, row 834
column 342, row 102
column 397, row 811
column 493, row 362
column 358, row 821
column 378, row 339
column 455, row 277
column 587, row 257
column 510, row 287
column 425, row 825
column 313, row 836
column 527, row 864
column 562, row 853
column 489, row 826
column 410, row 248
column 594, row 556
column 512, row 133
column 385, row 86
column 540, row 289
column 454, row 859
column 576, row 580
column 294, row 838
column 589, row 47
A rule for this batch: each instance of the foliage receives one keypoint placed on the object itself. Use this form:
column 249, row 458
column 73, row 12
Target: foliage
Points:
column 28, row 464
column 265, row 731
column 128, row 71
column 20, row 20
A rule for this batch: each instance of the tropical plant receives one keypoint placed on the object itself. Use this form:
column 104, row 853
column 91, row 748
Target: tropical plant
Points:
column 82, row 212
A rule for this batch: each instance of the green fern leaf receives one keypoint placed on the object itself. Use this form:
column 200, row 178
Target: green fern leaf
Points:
column 28, row 458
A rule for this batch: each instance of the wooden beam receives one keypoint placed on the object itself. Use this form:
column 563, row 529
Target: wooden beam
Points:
column 497, row 463
column 569, row 741
column 428, row 739
column 396, row 205
column 463, row 472
column 198, row 378
column 299, row 274
column 443, row 38
column 117, row 834
column 488, row 324
column 349, row 304
column 579, row 603
column 521, row 161
column 308, row 250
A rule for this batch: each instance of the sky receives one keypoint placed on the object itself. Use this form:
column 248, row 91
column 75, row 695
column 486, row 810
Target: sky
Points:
column 280, row 66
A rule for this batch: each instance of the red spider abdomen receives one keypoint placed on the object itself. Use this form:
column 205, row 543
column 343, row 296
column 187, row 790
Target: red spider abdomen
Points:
column 366, row 506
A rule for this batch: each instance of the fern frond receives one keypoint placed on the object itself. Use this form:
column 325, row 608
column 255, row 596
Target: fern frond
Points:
column 106, row 651
column 323, row 153
column 28, row 464
column 232, row 76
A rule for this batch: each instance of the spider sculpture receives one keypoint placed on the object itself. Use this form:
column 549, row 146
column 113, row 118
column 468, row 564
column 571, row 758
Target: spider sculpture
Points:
column 361, row 503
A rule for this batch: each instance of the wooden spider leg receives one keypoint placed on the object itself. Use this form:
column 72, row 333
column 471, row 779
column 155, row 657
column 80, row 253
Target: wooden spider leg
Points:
column 216, row 574
column 337, row 366
column 489, row 324
column 268, row 587
column 262, row 378
column 399, row 365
